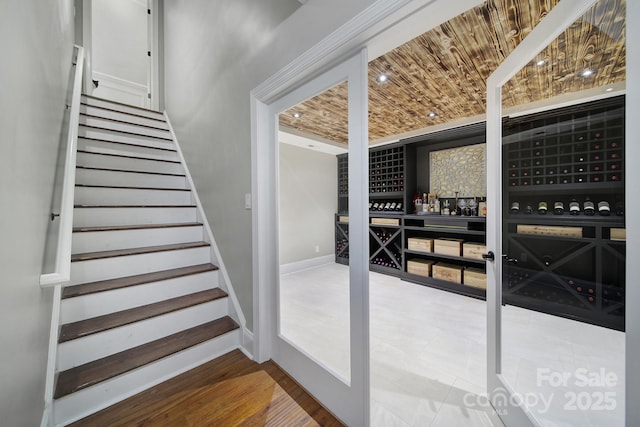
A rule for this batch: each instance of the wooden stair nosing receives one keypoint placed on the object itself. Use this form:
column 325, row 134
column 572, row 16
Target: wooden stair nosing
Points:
column 124, row 132
column 130, row 157
column 92, row 168
column 139, row 279
column 126, row 113
column 128, row 144
column 92, row 373
column 122, row 103
column 93, row 116
column 83, row 328
column 123, row 187
column 134, row 227
column 136, row 251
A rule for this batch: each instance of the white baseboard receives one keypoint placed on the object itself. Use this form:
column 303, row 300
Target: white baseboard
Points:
column 246, row 346
column 45, row 421
column 306, row 264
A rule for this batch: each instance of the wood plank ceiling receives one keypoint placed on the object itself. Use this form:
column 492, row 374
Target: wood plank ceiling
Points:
column 444, row 71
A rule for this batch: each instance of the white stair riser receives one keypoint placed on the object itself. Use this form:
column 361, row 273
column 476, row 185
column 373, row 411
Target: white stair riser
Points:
column 116, row 178
column 116, row 162
column 122, row 266
column 122, row 108
column 82, row 403
column 88, row 217
column 96, row 241
column 110, row 135
column 98, row 304
column 116, row 115
column 124, row 127
column 131, row 196
column 99, row 146
column 92, row 347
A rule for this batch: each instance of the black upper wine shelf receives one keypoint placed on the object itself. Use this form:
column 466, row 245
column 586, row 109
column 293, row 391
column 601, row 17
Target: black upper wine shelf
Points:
column 584, row 147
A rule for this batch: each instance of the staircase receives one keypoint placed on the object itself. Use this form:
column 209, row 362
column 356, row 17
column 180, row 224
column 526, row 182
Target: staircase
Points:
column 145, row 301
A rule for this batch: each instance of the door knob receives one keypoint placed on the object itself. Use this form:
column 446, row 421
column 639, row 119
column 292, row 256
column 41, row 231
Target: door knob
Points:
column 489, row 256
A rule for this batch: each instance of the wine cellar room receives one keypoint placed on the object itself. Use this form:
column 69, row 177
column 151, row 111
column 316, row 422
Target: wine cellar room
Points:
column 562, row 217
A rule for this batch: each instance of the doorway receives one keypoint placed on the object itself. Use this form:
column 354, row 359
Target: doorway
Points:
column 119, row 38
column 478, row 402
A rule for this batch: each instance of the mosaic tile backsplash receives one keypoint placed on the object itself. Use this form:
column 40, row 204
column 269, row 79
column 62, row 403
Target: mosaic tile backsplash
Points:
column 459, row 169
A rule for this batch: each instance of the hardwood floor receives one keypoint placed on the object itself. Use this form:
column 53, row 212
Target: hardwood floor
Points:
column 229, row 391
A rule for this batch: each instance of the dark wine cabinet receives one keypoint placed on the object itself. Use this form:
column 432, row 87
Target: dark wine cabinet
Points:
column 563, row 212
column 569, row 261
column 391, row 179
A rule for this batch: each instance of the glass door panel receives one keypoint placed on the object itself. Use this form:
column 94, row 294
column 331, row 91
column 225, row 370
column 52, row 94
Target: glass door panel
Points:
column 314, row 213
column 557, row 311
column 320, row 326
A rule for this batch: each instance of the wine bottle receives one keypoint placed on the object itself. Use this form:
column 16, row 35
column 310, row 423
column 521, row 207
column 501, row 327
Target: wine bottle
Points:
column 393, row 206
column 375, row 206
column 387, row 206
column 515, row 207
column 528, row 209
column 574, row 207
column 542, row 208
column 603, row 208
column 619, row 208
column 558, row 208
column 399, row 206
column 381, row 206
column 370, row 205
column 588, row 207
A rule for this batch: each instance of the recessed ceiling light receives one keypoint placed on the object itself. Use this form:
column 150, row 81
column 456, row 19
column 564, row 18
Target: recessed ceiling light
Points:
column 382, row 78
column 541, row 63
column 586, row 73
column 432, row 114
column 297, row 115
column 609, row 89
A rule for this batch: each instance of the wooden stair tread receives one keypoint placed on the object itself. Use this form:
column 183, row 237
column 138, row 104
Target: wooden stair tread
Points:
column 93, row 116
column 83, row 376
column 136, row 251
column 123, row 104
column 129, row 144
column 135, row 227
column 123, row 187
column 139, row 279
column 181, row 175
column 82, row 328
column 157, row 119
column 124, row 132
column 126, row 156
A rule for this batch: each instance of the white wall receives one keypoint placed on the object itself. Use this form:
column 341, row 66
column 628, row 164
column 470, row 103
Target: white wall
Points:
column 36, row 40
column 308, row 202
column 215, row 54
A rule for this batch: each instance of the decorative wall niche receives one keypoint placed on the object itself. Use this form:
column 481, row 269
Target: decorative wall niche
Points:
column 461, row 169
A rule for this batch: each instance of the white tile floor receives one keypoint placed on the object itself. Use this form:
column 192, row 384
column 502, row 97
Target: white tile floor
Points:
column 428, row 353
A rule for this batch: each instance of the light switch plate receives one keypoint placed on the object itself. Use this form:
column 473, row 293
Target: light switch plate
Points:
column 247, row 201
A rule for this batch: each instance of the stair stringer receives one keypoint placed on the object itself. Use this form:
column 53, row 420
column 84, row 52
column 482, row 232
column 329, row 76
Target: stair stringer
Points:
column 235, row 312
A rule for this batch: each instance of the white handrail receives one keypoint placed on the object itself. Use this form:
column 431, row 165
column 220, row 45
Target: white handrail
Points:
column 63, row 255
column 63, row 249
